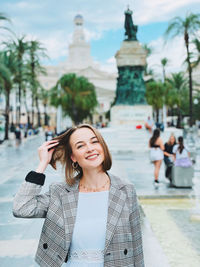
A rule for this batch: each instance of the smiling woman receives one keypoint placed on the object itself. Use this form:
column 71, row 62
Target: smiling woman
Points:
column 93, row 218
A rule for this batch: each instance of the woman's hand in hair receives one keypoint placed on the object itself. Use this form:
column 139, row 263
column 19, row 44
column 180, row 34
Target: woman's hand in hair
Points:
column 45, row 152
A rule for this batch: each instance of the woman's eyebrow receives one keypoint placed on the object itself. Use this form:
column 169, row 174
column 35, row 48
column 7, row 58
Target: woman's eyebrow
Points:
column 94, row 137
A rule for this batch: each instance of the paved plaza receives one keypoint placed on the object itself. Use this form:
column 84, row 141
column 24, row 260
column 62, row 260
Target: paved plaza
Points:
column 170, row 228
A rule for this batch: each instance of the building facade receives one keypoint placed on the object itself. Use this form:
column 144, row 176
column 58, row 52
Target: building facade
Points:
column 81, row 63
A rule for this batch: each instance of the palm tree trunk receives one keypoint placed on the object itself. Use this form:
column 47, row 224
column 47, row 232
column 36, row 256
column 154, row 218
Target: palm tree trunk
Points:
column 190, row 77
column 27, row 112
column 179, row 119
column 46, row 121
column 7, row 110
column 32, row 113
column 157, row 114
column 38, row 112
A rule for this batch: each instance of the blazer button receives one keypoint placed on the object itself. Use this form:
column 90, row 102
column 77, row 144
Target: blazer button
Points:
column 125, row 251
column 45, row 246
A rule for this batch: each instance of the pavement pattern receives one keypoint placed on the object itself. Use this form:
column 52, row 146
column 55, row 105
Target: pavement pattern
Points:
column 170, row 238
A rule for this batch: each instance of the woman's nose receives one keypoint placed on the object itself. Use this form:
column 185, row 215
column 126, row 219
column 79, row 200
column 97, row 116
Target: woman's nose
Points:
column 89, row 147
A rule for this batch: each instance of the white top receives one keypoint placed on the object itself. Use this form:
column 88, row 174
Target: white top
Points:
column 179, row 155
column 88, row 239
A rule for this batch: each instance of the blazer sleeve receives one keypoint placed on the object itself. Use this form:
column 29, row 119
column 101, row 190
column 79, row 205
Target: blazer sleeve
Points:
column 136, row 232
column 28, row 202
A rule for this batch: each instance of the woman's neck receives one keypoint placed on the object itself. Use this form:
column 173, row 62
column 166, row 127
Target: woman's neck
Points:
column 94, row 178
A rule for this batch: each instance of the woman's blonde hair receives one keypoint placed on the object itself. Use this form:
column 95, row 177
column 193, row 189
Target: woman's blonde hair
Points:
column 63, row 152
column 169, row 141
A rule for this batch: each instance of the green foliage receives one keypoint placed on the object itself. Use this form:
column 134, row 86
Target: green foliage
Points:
column 76, row 95
column 183, row 26
column 178, row 94
column 7, row 67
column 195, row 56
column 155, row 92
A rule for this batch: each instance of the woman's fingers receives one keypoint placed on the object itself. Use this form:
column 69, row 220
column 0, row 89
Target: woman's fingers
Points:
column 50, row 142
column 52, row 145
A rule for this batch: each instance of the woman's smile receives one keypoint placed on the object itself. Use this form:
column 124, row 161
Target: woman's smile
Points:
column 92, row 156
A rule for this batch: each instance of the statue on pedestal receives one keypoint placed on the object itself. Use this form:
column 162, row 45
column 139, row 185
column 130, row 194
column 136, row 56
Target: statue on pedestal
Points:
column 130, row 107
column 131, row 59
column 131, row 29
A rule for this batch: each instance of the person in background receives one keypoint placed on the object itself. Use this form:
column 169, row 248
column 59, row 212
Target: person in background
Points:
column 49, row 134
column 156, row 154
column 18, row 136
column 182, row 155
column 169, row 156
column 149, row 124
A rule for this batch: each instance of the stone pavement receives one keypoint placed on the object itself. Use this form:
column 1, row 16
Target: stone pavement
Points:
column 168, row 230
column 167, row 226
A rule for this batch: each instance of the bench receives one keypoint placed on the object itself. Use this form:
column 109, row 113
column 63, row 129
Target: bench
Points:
column 182, row 177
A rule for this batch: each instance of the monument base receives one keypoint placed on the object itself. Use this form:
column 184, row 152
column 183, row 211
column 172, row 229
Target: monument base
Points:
column 130, row 115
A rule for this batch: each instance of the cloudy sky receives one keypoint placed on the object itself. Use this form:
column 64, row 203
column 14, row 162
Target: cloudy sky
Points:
column 51, row 22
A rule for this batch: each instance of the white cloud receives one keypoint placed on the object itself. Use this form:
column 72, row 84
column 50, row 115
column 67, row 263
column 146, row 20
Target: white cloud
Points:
column 92, row 35
column 51, row 22
column 156, row 10
column 56, row 44
column 174, row 51
column 109, row 65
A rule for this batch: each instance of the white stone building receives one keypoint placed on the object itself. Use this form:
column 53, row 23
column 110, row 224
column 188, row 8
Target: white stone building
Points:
column 80, row 62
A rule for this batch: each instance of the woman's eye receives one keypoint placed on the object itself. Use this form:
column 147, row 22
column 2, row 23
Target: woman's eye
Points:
column 79, row 146
column 95, row 142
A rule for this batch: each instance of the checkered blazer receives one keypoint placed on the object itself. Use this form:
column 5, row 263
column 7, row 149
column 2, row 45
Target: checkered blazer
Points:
column 123, row 245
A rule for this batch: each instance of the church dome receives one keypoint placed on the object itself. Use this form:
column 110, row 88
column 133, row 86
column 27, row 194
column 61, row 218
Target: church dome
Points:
column 78, row 20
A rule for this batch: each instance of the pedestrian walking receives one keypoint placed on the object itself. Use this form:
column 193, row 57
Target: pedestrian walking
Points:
column 169, row 156
column 93, row 218
column 17, row 136
column 156, row 154
column 149, row 124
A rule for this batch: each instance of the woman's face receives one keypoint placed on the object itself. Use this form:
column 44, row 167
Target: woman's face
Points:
column 86, row 149
column 172, row 139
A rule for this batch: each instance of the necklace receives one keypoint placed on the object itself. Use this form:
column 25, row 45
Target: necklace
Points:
column 92, row 189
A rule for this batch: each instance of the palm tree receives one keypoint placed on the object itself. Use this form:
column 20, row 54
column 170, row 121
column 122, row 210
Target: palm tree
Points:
column 164, row 62
column 4, row 17
column 148, row 50
column 178, row 94
column 77, row 97
column 44, row 96
column 7, row 68
column 155, row 92
column 35, row 51
column 19, row 48
column 186, row 27
column 196, row 54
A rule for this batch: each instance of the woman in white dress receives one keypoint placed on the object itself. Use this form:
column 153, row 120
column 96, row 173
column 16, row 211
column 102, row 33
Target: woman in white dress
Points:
column 182, row 155
column 156, row 154
column 92, row 219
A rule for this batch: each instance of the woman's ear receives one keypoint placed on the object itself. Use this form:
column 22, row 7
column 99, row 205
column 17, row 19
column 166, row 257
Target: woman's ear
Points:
column 73, row 158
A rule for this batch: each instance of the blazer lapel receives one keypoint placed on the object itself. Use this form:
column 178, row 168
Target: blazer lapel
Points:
column 115, row 205
column 69, row 203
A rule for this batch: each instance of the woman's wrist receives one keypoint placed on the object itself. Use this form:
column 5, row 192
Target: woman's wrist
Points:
column 41, row 167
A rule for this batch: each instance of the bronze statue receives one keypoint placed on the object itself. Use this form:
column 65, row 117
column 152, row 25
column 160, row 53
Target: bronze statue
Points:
column 131, row 29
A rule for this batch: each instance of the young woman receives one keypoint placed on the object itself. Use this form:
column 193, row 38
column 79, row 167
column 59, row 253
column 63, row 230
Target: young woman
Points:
column 156, row 154
column 169, row 156
column 92, row 219
column 182, row 156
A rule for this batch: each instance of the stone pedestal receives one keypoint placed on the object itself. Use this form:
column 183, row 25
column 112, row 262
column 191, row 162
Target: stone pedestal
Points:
column 131, row 53
column 131, row 59
column 122, row 115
